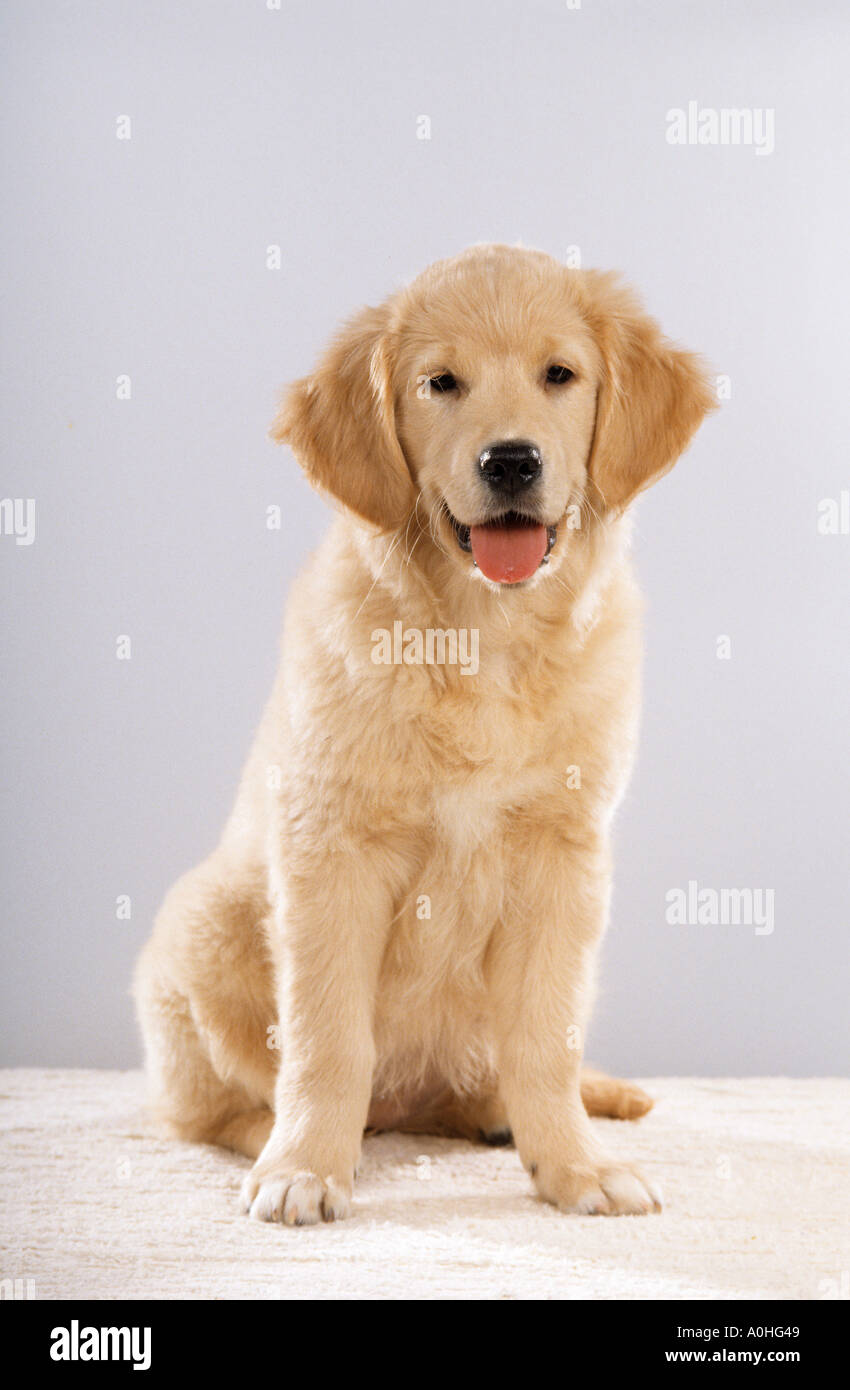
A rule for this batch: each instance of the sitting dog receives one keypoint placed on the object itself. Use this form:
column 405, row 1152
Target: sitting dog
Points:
column 399, row 926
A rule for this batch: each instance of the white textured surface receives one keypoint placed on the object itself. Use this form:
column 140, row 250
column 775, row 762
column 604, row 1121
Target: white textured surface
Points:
column 756, row 1177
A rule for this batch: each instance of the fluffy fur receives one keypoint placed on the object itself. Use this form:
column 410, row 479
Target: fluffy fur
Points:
column 400, row 923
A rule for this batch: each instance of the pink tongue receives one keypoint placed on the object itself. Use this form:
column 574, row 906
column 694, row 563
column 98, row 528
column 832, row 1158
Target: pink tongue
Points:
column 508, row 554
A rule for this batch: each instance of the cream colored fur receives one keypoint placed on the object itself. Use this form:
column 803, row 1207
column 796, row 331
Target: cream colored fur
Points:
column 399, row 926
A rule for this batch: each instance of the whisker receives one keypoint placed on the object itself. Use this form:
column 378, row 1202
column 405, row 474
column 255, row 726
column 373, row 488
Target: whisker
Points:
column 604, row 499
column 558, row 580
column 435, row 538
column 593, row 510
column 391, row 548
column 408, row 554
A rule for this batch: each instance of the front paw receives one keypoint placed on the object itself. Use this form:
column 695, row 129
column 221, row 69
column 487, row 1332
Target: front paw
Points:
column 295, row 1196
column 596, row 1189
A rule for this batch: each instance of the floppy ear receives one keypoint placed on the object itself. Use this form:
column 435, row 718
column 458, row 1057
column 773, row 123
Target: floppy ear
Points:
column 340, row 424
column 652, row 398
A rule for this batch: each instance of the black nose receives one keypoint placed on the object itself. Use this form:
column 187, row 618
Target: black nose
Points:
column 510, row 466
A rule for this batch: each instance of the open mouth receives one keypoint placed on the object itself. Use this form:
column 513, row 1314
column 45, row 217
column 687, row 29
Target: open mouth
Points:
column 508, row 548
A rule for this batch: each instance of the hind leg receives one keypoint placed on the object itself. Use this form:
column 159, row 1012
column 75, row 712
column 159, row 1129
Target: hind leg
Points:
column 204, row 997
column 186, row 1094
column 246, row 1133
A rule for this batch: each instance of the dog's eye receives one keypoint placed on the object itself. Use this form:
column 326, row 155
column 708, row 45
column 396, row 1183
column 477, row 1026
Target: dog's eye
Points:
column 558, row 375
column 443, row 381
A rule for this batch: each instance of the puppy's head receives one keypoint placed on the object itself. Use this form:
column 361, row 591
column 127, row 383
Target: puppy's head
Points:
column 503, row 398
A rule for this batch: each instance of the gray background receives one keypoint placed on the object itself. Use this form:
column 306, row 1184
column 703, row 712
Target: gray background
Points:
column 298, row 127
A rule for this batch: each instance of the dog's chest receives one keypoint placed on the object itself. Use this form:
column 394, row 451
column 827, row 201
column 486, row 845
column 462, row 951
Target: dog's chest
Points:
column 465, row 816
column 457, row 897
column 493, row 753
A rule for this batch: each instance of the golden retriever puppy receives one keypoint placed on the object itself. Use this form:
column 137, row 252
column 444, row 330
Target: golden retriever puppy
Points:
column 400, row 924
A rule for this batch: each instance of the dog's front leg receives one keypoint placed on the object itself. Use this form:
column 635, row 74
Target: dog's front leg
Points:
column 541, row 984
column 331, row 928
